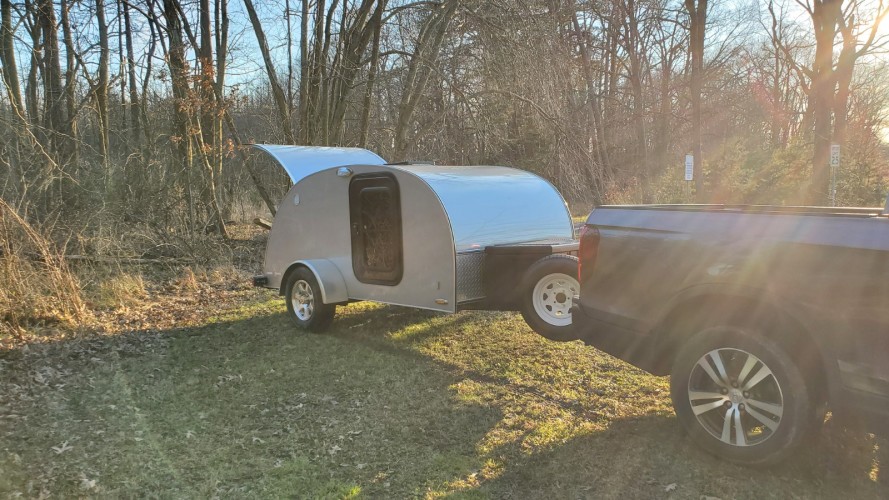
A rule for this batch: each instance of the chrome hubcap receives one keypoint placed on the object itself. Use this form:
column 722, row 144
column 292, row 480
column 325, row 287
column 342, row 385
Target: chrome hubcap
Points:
column 552, row 298
column 303, row 300
column 735, row 397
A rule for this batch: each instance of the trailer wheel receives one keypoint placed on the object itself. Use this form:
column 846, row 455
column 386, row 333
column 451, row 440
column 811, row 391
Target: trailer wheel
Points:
column 548, row 288
column 304, row 305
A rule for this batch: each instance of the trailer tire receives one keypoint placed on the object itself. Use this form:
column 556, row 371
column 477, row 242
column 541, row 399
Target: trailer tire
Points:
column 302, row 295
column 548, row 288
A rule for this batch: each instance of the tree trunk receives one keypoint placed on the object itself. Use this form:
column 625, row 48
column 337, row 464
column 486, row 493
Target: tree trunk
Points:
column 371, row 80
column 322, row 108
column 425, row 53
column 313, row 80
column 277, row 91
column 70, row 79
column 31, row 91
column 182, row 150
column 146, row 81
column 103, row 83
column 844, row 71
column 54, row 117
column 287, row 16
column 7, row 58
column 135, row 109
column 825, row 15
column 304, row 76
column 697, row 12
column 596, row 109
column 357, row 35
column 207, row 79
column 204, row 154
column 222, row 23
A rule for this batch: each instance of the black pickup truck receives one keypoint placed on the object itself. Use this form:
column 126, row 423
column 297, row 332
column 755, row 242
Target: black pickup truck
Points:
column 762, row 316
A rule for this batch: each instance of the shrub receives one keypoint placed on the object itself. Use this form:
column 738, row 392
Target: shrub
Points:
column 36, row 284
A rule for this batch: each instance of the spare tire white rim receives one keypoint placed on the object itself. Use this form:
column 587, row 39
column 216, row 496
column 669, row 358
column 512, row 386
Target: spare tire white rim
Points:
column 552, row 297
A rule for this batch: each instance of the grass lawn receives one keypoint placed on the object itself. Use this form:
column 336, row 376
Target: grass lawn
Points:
column 391, row 403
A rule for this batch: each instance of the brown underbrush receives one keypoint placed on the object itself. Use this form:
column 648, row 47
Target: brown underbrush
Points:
column 105, row 277
column 36, row 284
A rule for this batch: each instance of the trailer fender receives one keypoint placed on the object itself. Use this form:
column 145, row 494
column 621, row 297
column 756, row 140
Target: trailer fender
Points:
column 330, row 279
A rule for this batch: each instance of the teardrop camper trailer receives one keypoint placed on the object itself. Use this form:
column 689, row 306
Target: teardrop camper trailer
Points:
column 444, row 238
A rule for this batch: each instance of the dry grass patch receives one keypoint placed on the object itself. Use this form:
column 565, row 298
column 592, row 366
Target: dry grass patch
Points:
column 36, row 285
column 123, row 290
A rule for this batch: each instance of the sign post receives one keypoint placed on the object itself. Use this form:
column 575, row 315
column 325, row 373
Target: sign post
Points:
column 689, row 174
column 834, row 166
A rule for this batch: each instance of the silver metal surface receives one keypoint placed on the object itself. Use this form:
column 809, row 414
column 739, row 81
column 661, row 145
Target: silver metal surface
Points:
column 445, row 211
column 470, row 269
column 330, row 280
column 344, row 172
column 496, row 205
column 302, row 161
column 735, row 397
column 316, row 233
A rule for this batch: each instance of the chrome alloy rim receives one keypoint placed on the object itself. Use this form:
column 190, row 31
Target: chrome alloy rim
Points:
column 552, row 298
column 735, row 397
column 303, row 300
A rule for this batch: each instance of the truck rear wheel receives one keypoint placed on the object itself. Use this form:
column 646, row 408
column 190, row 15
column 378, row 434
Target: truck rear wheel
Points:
column 740, row 396
column 304, row 304
column 548, row 289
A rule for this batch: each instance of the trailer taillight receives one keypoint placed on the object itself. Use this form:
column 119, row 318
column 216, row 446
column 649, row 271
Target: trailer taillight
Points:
column 588, row 251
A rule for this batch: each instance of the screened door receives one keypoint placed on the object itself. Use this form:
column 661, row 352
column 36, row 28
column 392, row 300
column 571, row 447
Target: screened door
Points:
column 375, row 216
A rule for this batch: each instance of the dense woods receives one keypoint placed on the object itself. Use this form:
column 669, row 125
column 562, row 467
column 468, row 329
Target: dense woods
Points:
column 130, row 106
column 123, row 123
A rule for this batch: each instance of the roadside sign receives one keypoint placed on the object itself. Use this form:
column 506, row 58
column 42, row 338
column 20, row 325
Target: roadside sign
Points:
column 834, row 167
column 834, row 155
column 689, row 167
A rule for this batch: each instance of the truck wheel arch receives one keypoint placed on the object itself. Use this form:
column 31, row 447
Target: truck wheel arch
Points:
column 748, row 307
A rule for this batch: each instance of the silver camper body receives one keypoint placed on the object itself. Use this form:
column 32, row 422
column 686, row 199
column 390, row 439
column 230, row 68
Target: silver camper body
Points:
column 413, row 235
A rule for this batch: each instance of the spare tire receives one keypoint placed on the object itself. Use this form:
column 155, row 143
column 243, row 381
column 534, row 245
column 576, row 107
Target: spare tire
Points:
column 548, row 289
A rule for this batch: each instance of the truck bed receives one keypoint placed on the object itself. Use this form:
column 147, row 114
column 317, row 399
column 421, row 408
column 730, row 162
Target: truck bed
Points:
column 759, row 209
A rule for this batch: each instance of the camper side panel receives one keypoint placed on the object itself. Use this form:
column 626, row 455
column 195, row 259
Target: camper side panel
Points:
column 314, row 222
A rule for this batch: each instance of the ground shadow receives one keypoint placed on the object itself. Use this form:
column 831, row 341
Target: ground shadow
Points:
column 648, row 457
column 250, row 406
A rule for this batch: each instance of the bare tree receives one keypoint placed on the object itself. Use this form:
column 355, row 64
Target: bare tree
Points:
column 277, row 91
column 419, row 72
column 103, row 83
column 697, row 13
column 135, row 109
column 8, row 59
column 54, row 117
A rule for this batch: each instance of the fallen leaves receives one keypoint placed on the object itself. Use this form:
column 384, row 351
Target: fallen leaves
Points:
column 63, row 448
column 86, row 483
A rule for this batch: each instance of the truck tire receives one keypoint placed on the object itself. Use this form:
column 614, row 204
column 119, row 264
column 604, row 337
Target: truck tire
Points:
column 740, row 396
column 548, row 289
column 304, row 306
